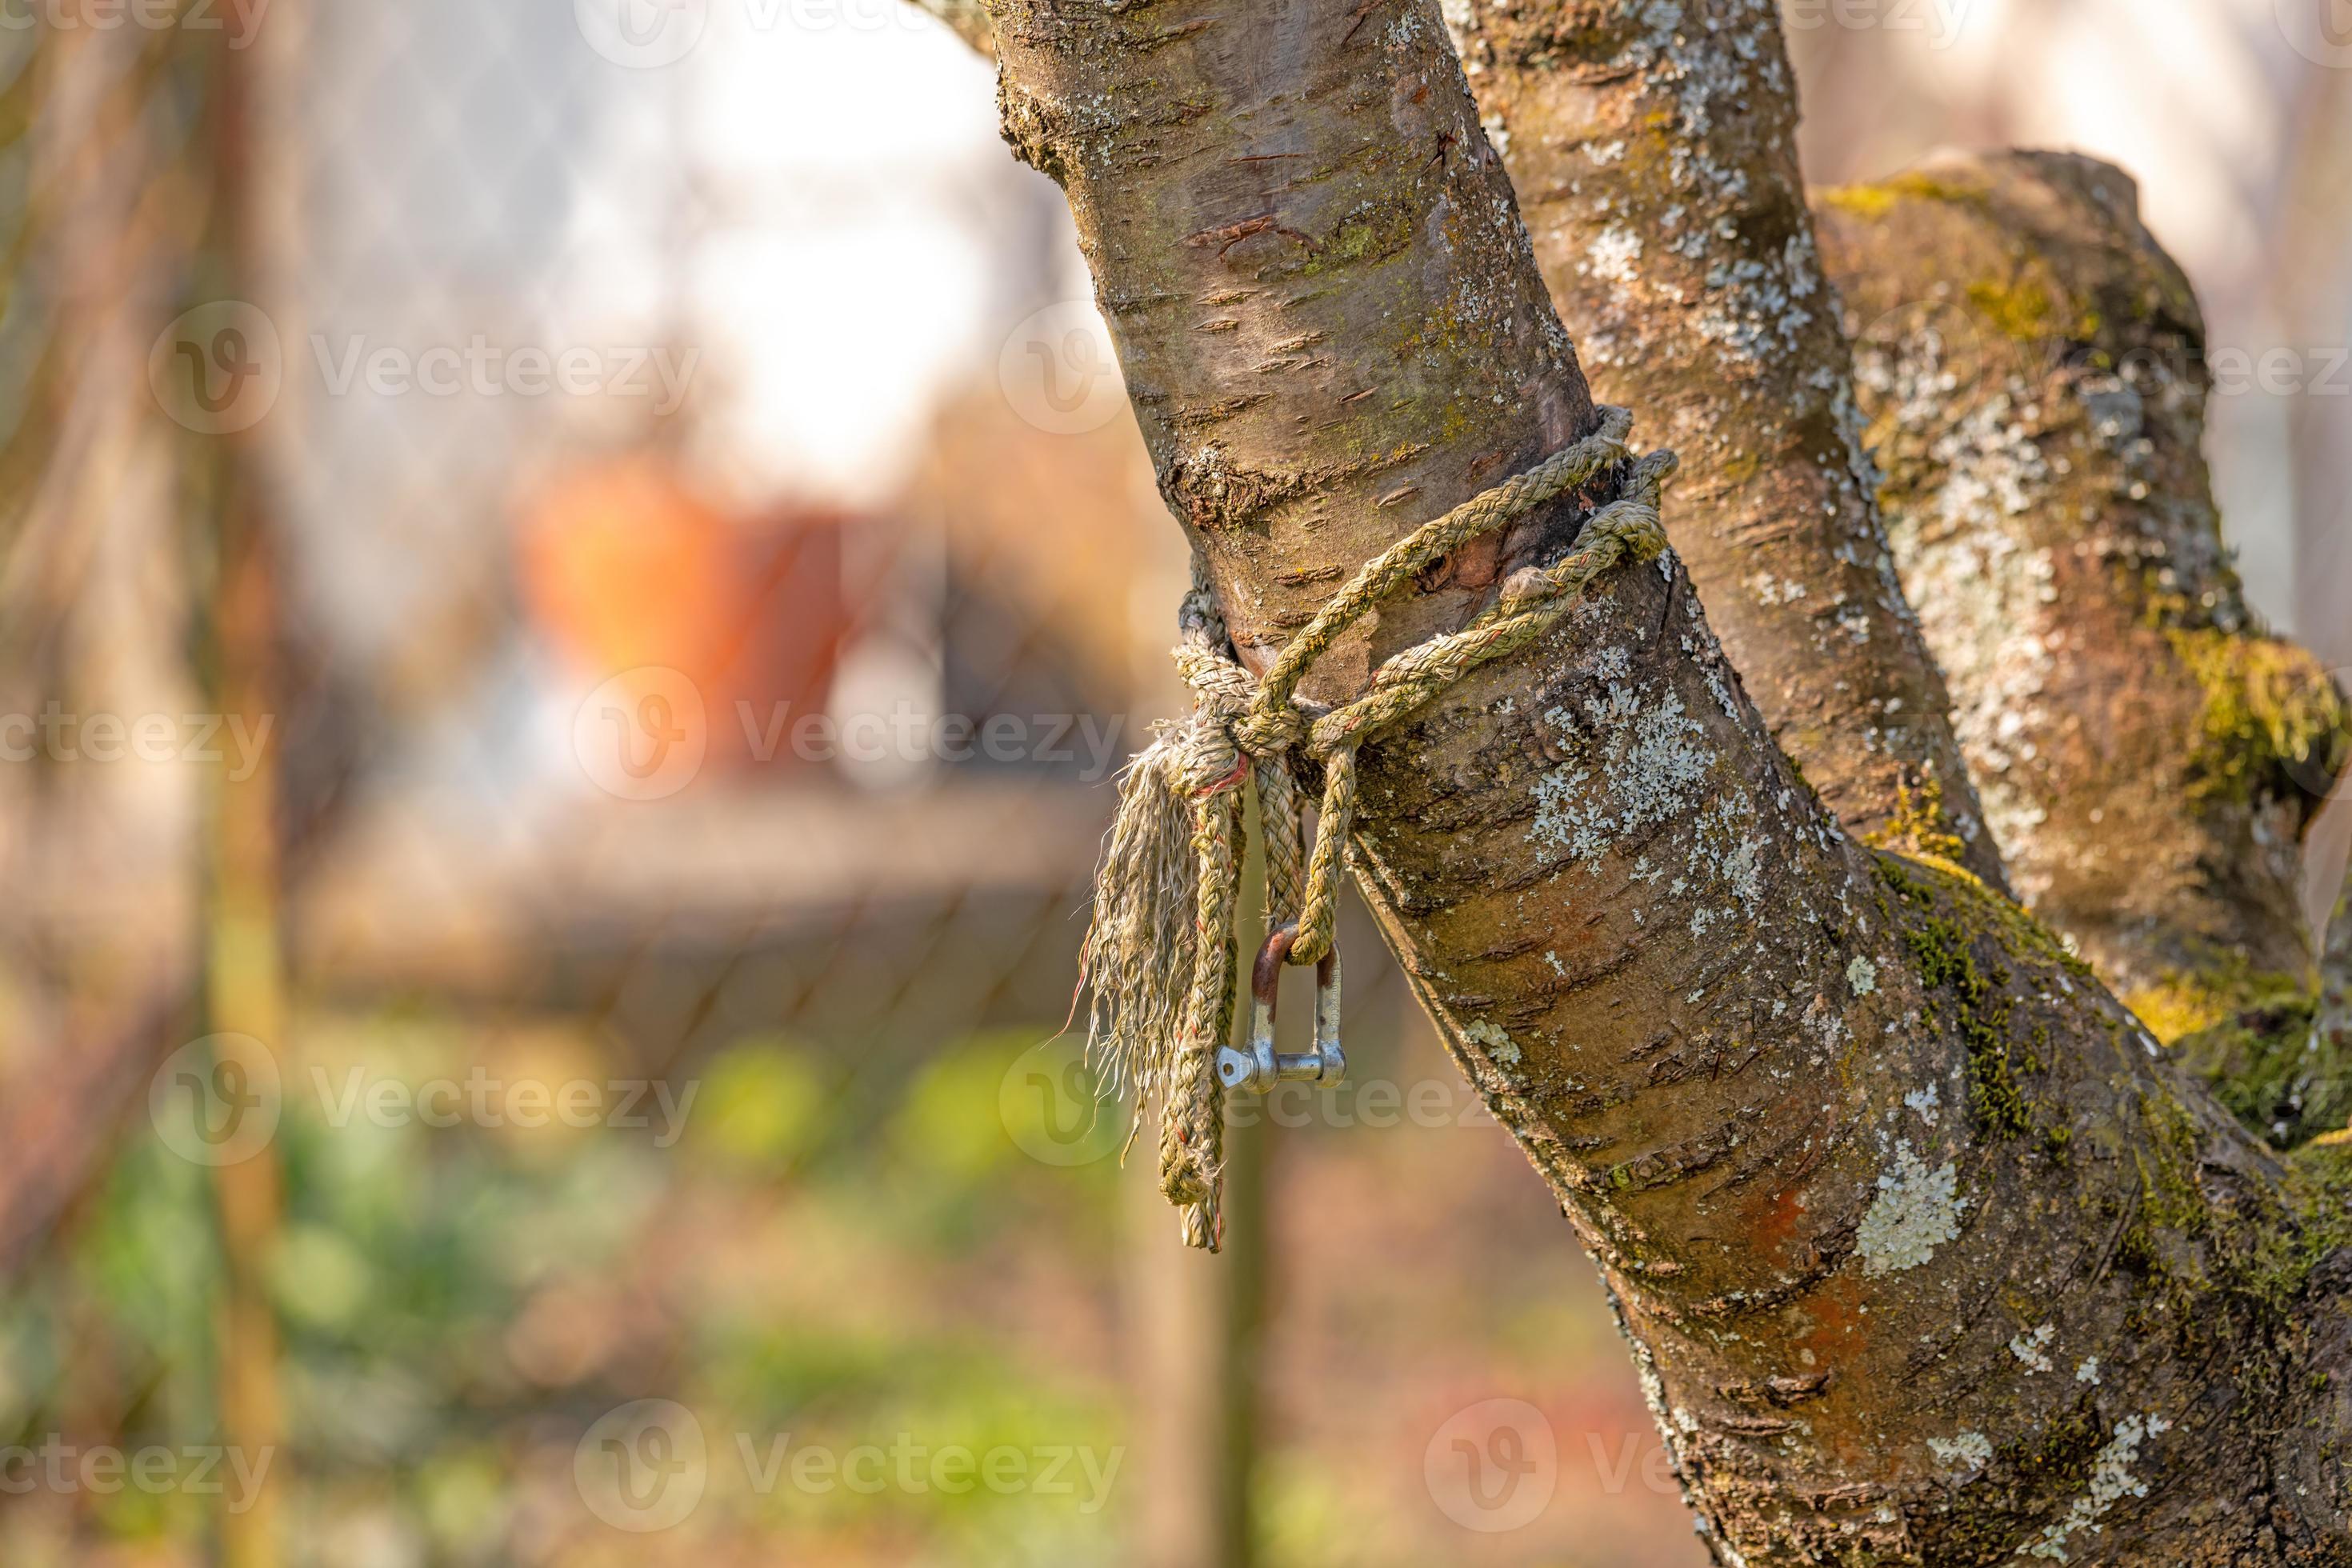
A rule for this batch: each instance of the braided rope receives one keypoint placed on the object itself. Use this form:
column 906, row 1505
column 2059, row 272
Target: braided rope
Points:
column 1192, row 1135
column 1272, row 716
column 1180, row 826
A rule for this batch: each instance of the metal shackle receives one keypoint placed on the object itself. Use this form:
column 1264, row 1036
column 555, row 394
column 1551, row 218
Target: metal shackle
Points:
column 1261, row 1067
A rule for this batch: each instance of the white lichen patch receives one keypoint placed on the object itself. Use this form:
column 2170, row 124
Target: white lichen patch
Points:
column 1743, row 871
column 1497, row 1045
column 1968, row 1451
column 1975, row 562
column 1826, row 1028
column 1915, row 1212
column 1770, row 590
column 1862, row 976
column 2110, row 1482
column 1723, row 855
column 2033, row 1348
column 1709, row 63
column 1720, row 690
column 1995, row 466
column 2088, row 1371
column 1928, row 1102
column 1615, row 254
column 1647, row 765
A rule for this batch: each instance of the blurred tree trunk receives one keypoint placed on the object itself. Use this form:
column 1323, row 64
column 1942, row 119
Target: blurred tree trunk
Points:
column 2315, row 269
column 1842, row 1129
column 90, row 609
column 1199, row 1333
column 2036, row 372
column 245, row 994
column 245, row 968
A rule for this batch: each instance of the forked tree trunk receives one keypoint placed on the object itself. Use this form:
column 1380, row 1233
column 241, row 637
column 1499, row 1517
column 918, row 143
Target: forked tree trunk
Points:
column 1925, row 1254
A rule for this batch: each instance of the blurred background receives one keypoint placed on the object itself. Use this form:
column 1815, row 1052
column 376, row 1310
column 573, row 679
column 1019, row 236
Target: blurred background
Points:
column 574, row 575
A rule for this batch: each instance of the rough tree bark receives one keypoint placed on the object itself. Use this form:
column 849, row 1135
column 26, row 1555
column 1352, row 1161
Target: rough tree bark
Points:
column 968, row 19
column 2035, row 372
column 1925, row 1254
column 1653, row 149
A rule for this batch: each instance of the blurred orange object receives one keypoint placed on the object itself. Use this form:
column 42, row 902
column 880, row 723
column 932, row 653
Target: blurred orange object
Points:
column 623, row 567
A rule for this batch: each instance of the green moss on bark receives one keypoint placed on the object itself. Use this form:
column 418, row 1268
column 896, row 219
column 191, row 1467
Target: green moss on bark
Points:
column 1962, row 937
column 2181, row 1004
column 1876, row 201
column 2275, row 1071
column 2019, row 310
column 1920, row 826
column 2273, row 723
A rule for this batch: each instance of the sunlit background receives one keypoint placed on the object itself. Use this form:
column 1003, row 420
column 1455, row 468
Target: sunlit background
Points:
column 574, row 576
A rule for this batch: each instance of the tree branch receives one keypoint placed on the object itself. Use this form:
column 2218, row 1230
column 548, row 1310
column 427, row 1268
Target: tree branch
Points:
column 968, row 19
column 2034, row 369
column 1654, row 149
column 1842, row 1130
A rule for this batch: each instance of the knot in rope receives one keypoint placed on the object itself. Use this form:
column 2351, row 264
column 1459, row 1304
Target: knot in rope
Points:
column 1162, row 955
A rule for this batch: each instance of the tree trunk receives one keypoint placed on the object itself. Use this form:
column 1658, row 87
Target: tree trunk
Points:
column 245, row 992
column 1199, row 1335
column 2035, row 372
column 1925, row 1256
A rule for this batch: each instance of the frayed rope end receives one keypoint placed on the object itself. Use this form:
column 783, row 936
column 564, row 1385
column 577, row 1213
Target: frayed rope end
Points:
column 1137, row 965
